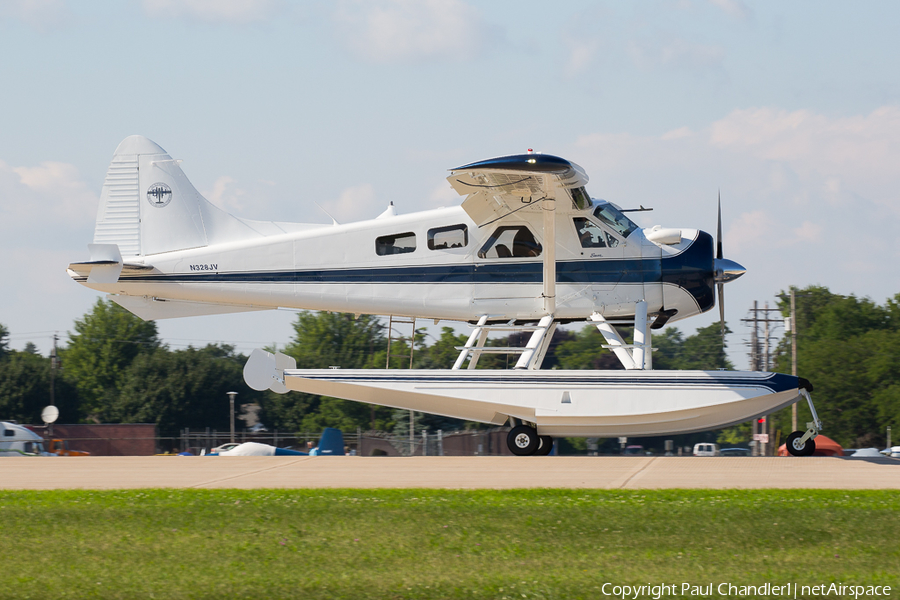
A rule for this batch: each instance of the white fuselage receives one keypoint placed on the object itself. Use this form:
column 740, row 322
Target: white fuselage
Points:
column 337, row 268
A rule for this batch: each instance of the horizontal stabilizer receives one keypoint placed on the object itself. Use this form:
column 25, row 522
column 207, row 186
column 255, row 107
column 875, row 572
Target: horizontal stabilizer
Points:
column 151, row 309
column 107, row 263
column 265, row 371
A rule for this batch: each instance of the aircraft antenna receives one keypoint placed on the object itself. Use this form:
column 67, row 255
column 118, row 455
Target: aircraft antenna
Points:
column 333, row 220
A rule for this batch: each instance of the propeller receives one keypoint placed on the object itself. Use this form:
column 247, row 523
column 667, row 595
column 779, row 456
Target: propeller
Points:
column 720, row 284
column 725, row 270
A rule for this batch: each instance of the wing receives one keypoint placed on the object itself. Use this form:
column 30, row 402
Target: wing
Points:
column 501, row 186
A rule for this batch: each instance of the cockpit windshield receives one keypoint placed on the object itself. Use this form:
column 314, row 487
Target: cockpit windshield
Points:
column 612, row 216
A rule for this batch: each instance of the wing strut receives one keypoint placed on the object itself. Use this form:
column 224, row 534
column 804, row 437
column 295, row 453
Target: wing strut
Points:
column 634, row 357
column 549, row 209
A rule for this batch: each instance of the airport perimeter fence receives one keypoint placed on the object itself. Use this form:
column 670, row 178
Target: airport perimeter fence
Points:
column 141, row 439
column 491, row 442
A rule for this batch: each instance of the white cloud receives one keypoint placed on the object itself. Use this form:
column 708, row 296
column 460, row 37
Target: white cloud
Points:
column 354, row 204
column 47, row 218
column 38, row 14
column 662, row 51
column 387, row 31
column 838, row 157
column 808, row 232
column 582, row 55
column 49, row 192
column 751, row 230
column 681, row 132
column 807, row 198
column 444, row 195
column 226, row 195
column 733, row 8
column 213, row 11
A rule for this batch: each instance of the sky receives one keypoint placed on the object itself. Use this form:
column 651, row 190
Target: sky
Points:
column 790, row 109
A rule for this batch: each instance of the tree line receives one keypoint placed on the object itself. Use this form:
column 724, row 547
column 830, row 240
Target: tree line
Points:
column 115, row 369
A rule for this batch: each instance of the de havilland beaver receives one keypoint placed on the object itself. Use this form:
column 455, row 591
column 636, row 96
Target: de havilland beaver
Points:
column 526, row 250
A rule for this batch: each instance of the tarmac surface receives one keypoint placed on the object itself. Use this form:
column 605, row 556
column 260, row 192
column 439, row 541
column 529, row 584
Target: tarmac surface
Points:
column 446, row 472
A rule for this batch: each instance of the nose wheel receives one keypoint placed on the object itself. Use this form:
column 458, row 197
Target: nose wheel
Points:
column 523, row 440
column 800, row 443
column 803, row 443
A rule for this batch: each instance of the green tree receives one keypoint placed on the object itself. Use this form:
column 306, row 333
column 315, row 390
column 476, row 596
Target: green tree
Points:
column 4, row 342
column 584, row 350
column 105, row 343
column 322, row 340
column 704, row 350
column 184, row 388
column 25, row 389
column 443, row 353
column 849, row 348
column 326, row 339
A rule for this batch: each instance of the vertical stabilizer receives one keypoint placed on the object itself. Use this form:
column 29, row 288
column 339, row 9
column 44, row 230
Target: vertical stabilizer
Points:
column 149, row 206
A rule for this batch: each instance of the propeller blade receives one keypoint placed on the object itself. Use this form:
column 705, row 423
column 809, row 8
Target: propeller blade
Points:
column 719, row 232
column 720, row 289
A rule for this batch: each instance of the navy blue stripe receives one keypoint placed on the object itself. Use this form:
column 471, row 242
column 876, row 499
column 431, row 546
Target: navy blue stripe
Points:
column 583, row 271
column 609, row 271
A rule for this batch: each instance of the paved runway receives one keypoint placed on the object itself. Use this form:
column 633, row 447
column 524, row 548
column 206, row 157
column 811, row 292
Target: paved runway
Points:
column 249, row 472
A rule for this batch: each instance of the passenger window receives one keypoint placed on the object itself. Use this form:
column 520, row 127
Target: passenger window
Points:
column 442, row 238
column 592, row 236
column 510, row 242
column 401, row 243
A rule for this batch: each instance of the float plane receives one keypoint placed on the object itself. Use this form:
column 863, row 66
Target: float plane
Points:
column 527, row 249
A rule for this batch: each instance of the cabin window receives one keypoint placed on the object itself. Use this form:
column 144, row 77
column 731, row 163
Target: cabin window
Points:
column 592, row 235
column 580, row 198
column 442, row 238
column 401, row 243
column 615, row 219
column 510, row 242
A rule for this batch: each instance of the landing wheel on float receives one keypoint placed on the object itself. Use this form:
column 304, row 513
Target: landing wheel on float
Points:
column 797, row 446
column 546, row 446
column 523, row 440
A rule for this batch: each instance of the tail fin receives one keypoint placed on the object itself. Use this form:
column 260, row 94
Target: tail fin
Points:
column 148, row 206
column 331, row 443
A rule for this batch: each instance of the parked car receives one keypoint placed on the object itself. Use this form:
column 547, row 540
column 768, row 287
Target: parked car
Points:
column 706, row 449
column 61, row 448
column 734, row 452
column 224, row 447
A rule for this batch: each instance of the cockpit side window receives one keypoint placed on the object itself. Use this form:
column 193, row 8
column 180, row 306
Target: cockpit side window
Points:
column 611, row 216
column 580, row 198
column 592, row 235
column 401, row 243
column 442, row 238
column 512, row 241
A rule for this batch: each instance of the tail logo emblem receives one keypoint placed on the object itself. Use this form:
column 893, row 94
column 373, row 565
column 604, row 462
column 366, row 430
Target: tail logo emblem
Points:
column 159, row 194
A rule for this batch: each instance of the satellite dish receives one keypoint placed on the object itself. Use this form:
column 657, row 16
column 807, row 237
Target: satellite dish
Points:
column 50, row 414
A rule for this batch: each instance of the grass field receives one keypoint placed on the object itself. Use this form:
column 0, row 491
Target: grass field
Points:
column 438, row 544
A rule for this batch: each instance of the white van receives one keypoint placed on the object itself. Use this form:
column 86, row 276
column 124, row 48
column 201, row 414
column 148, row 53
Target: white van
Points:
column 706, row 450
column 16, row 440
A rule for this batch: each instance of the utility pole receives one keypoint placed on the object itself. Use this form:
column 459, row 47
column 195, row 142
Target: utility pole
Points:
column 760, row 361
column 231, row 396
column 793, row 353
column 53, row 364
column 54, row 361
